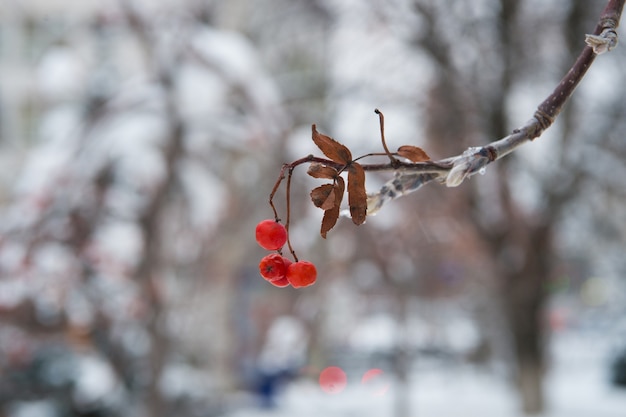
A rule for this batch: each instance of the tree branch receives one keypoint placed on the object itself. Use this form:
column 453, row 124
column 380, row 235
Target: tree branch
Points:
column 452, row 171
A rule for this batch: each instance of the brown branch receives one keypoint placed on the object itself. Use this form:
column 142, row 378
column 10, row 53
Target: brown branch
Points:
column 150, row 220
column 453, row 170
column 605, row 29
column 543, row 118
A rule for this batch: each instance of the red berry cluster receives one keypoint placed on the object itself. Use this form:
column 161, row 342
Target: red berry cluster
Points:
column 275, row 268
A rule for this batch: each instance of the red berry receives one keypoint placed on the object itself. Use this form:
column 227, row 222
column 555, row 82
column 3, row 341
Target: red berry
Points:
column 270, row 234
column 273, row 267
column 282, row 281
column 287, row 263
column 301, row 274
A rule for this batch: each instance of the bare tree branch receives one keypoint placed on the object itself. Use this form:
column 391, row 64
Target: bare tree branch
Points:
column 452, row 171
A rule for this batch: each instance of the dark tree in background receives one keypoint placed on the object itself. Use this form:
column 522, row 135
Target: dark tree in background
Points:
column 473, row 100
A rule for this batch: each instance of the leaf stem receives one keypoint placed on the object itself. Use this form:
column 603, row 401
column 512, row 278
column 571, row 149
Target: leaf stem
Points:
column 381, row 118
column 287, row 222
column 281, row 177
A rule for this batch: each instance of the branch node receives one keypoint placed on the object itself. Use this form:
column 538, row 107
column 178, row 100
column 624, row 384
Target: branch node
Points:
column 544, row 121
column 605, row 41
column 490, row 153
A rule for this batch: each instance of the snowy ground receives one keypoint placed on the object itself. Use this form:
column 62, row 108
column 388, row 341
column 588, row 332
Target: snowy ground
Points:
column 577, row 386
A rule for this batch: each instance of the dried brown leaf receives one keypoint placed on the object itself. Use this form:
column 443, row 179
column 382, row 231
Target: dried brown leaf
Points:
column 331, row 148
column 340, row 187
column 413, row 153
column 324, row 196
column 329, row 220
column 357, row 196
column 332, row 214
column 317, row 170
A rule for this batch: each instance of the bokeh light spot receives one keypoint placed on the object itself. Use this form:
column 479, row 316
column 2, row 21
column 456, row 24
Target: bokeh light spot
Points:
column 333, row 380
column 374, row 381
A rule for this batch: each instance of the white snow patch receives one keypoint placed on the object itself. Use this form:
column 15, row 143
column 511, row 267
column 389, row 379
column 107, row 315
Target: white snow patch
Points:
column 207, row 195
column 61, row 74
column 95, row 380
column 376, row 334
column 120, row 242
column 286, row 345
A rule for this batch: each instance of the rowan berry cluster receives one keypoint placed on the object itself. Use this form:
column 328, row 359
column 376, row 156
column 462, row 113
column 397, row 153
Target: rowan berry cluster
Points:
column 272, row 235
column 277, row 269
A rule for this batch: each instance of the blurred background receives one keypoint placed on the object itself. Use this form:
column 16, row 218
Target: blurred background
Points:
column 139, row 142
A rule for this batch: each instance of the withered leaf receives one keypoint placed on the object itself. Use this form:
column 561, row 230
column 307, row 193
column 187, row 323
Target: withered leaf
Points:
column 331, row 215
column 324, row 196
column 413, row 153
column 317, row 170
column 357, row 197
column 329, row 220
column 331, row 148
column 340, row 186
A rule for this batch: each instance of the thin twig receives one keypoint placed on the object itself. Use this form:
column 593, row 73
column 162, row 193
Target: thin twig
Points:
column 381, row 118
column 288, row 221
column 280, row 179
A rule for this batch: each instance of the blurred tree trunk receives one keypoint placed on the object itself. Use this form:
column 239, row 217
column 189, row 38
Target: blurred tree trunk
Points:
column 150, row 268
column 401, row 356
column 518, row 244
column 523, row 250
column 517, row 240
column 522, row 265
